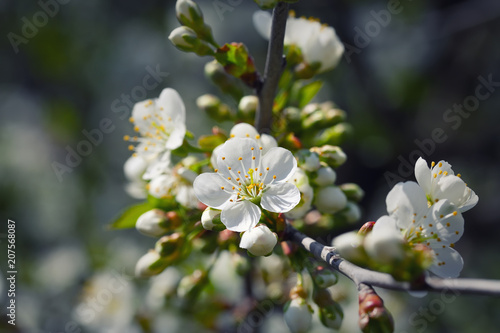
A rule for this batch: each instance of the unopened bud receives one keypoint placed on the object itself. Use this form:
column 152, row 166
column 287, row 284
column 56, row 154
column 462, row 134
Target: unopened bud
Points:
column 325, row 175
column 373, row 316
column 150, row 264
column 189, row 14
column 248, row 106
column 366, row 228
column 156, row 222
column 352, row 191
column 185, row 39
column 291, row 142
column 293, row 118
column 350, row 247
column 210, row 219
column 191, row 285
column 330, row 199
column 323, row 277
column 351, row 213
column 333, row 135
column 334, row 156
column 308, row 160
column 298, row 315
column 323, row 117
column 241, row 263
column 227, row 84
column 170, row 246
column 330, row 312
column 259, row 241
column 214, row 108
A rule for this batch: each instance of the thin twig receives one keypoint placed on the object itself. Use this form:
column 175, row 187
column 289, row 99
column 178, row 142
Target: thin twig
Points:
column 273, row 69
column 361, row 275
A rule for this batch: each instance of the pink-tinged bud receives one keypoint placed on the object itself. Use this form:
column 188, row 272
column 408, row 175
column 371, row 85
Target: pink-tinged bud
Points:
column 289, row 248
column 292, row 142
column 366, row 228
column 373, row 316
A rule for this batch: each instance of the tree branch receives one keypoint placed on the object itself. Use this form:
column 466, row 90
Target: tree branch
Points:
column 364, row 276
column 273, row 68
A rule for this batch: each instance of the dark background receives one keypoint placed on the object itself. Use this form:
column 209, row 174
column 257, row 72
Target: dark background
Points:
column 397, row 86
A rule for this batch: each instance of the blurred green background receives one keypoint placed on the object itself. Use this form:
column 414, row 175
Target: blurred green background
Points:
column 61, row 74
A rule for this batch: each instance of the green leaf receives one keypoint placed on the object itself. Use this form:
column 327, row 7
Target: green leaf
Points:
column 307, row 92
column 129, row 217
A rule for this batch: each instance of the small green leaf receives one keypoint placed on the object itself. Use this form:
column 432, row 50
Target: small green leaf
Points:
column 129, row 217
column 307, row 92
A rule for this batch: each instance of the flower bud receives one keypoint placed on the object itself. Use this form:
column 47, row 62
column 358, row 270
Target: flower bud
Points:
column 292, row 116
column 330, row 312
column 191, row 285
column 330, row 199
column 214, row 108
column 152, row 223
column 366, row 228
column 333, row 135
column 227, row 84
column 248, row 106
column 373, row 316
column 332, row 155
column 185, row 39
column 170, row 246
column 324, row 116
column 150, row 264
column 241, row 263
column 259, row 241
column 291, row 142
column 323, row 277
column 266, row 4
column 350, row 246
column 298, row 315
column 210, row 219
column 352, row 191
column 325, row 175
column 351, row 213
column 189, row 14
column 308, row 160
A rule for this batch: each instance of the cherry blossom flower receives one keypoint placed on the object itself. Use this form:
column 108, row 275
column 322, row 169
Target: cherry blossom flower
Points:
column 440, row 182
column 318, row 43
column 438, row 226
column 247, row 180
column 160, row 123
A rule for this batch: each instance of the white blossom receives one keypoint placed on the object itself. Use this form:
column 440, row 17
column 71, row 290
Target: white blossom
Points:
column 247, row 180
column 349, row 245
column 259, row 241
column 160, row 123
column 318, row 42
column 438, row 226
column 440, row 182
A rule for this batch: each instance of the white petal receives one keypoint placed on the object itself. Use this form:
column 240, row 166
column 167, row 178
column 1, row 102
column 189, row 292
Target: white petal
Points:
column 213, row 158
column 281, row 163
column 449, row 222
column 470, row 201
column 161, row 186
column 208, row 189
column 134, row 167
column 237, row 155
column 451, row 188
column 240, row 216
column 423, row 175
column 453, row 263
column 267, row 141
column 172, row 104
column 407, row 194
column 176, row 137
column 262, row 22
column 186, row 196
column 280, row 198
column 384, row 224
column 141, row 112
column 244, row 130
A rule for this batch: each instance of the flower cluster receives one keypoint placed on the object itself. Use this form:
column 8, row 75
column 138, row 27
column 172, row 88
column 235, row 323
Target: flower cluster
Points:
column 424, row 223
